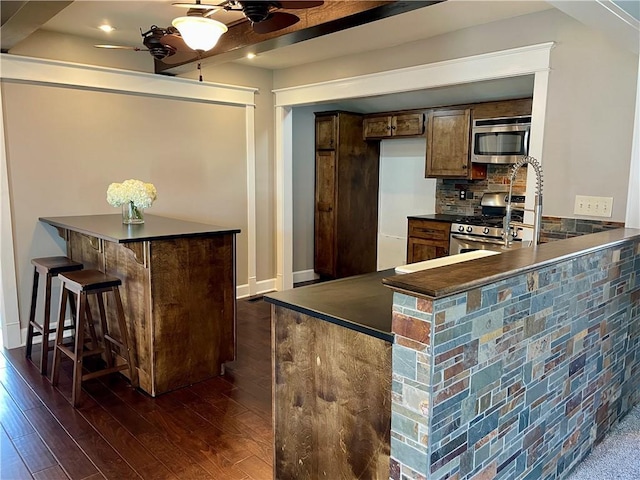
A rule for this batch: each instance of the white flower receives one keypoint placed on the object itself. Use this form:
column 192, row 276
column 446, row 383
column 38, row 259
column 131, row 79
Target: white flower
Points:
column 141, row 194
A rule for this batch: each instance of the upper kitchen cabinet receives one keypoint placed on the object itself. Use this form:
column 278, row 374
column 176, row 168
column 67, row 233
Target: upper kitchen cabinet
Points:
column 448, row 135
column 405, row 124
column 326, row 132
column 346, row 197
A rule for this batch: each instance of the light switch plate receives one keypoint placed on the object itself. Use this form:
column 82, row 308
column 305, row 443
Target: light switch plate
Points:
column 593, row 206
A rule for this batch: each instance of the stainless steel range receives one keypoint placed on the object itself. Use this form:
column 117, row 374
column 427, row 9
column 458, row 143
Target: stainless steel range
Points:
column 484, row 232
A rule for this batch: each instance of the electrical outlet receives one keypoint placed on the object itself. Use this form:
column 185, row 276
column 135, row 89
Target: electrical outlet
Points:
column 593, row 206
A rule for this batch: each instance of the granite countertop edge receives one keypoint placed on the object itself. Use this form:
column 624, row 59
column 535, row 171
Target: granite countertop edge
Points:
column 109, row 227
column 320, row 301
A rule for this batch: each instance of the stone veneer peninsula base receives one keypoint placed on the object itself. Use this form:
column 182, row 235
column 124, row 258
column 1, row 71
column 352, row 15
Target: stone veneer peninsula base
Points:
column 178, row 290
column 514, row 366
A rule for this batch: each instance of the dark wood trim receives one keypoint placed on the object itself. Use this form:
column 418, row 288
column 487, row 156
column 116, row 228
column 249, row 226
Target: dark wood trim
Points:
column 329, row 18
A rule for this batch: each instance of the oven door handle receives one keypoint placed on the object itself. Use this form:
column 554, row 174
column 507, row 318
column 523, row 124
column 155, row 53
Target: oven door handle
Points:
column 477, row 240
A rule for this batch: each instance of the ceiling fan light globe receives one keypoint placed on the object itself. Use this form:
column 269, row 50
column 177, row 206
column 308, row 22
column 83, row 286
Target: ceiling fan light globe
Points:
column 199, row 33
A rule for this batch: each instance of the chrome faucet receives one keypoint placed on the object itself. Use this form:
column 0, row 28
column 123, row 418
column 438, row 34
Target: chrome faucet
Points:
column 507, row 236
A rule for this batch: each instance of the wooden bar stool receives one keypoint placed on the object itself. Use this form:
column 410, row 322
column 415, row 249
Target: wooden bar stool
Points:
column 82, row 284
column 49, row 267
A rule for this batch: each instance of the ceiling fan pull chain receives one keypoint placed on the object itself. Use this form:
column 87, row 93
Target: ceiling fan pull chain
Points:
column 199, row 72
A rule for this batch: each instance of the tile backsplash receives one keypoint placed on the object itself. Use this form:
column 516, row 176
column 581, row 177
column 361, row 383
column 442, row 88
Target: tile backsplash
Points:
column 448, row 190
column 552, row 228
column 557, row 228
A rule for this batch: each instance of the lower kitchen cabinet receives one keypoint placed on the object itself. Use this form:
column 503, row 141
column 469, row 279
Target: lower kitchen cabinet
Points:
column 427, row 239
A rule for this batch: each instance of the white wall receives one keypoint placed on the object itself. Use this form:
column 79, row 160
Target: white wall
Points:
column 51, row 45
column 403, row 191
column 591, row 97
column 64, row 146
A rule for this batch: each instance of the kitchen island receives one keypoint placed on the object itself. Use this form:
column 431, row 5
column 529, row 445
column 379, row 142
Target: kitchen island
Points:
column 178, row 290
column 509, row 366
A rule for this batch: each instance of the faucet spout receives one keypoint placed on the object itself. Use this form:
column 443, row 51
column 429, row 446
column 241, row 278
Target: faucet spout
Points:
column 506, row 223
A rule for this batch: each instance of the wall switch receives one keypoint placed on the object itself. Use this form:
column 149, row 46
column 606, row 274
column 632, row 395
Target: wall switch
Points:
column 463, row 194
column 593, row 206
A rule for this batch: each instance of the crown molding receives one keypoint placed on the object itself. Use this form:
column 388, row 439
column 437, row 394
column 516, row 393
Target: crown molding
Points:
column 54, row 72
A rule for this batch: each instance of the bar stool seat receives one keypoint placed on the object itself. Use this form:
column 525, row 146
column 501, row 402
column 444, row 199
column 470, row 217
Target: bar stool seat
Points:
column 82, row 284
column 50, row 267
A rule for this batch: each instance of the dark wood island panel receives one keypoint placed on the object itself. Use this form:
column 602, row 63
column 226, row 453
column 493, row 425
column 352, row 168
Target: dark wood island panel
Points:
column 332, row 399
column 332, row 347
column 178, row 291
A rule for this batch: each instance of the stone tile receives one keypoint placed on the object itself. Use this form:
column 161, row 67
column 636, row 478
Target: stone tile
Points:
column 411, row 328
column 404, row 362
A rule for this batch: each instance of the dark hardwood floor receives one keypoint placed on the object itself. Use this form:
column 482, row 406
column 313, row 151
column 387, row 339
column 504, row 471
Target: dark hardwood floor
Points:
column 217, row 429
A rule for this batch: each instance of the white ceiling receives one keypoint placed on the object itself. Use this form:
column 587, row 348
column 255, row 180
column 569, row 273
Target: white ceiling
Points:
column 82, row 18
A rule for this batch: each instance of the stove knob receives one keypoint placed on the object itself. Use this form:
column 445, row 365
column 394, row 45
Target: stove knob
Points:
column 461, row 228
column 486, row 230
column 469, row 229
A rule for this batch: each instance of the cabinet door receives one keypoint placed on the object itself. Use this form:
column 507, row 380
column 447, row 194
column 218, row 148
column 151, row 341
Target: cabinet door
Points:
column 408, row 124
column 427, row 239
column 448, row 143
column 324, row 245
column 326, row 132
column 377, row 127
column 419, row 250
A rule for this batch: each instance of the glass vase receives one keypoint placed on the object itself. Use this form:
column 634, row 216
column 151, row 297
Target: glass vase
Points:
column 132, row 214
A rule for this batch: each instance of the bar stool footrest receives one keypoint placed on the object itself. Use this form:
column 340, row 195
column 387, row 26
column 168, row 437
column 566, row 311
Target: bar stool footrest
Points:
column 104, row 371
column 112, row 340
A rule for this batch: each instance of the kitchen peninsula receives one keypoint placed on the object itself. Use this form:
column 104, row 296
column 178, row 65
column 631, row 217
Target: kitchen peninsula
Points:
column 508, row 366
column 178, row 290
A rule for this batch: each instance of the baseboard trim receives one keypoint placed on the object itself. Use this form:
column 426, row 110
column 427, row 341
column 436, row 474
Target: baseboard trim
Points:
column 262, row 287
column 304, row 276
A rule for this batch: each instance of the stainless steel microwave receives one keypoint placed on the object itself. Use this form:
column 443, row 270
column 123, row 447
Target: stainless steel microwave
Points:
column 500, row 140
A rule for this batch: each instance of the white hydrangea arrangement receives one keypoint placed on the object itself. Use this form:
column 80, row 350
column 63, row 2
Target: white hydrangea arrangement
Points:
column 141, row 194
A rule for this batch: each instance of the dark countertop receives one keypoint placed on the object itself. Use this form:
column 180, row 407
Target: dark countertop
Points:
column 460, row 277
column 110, row 227
column 438, row 217
column 361, row 303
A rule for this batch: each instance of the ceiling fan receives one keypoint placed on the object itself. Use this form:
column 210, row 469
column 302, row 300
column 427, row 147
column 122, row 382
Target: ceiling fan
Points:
column 265, row 15
column 159, row 42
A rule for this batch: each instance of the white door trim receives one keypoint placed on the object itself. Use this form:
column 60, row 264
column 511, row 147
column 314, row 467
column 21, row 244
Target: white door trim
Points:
column 527, row 60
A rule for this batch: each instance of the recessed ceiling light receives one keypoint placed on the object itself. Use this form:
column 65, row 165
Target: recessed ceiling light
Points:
column 251, row 55
column 106, row 28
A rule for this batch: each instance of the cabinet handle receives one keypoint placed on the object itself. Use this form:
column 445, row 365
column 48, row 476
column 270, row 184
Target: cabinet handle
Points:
column 464, row 167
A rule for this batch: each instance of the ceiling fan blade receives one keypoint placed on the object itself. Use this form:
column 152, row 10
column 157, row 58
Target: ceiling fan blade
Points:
column 300, row 4
column 275, row 21
column 197, row 6
column 122, row 47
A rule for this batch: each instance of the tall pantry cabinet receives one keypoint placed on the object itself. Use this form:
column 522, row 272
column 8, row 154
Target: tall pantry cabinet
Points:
column 346, row 196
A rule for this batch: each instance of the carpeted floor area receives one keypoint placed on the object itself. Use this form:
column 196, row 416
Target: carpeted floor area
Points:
column 618, row 456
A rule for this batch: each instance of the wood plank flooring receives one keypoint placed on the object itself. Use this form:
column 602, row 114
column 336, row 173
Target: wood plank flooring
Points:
column 217, row 429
